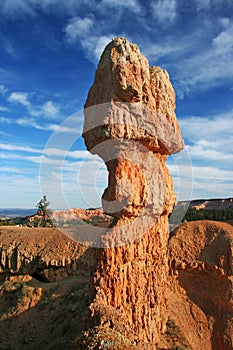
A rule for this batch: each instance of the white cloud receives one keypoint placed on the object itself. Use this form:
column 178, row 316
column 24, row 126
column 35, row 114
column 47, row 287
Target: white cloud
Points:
column 202, row 4
column 167, row 47
column 69, row 126
column 12, row 170
column 95, row 46
column 200, row 59
column 202, row 152
column 164, row 11
column 132, row 5
column 12, row 7
column 80, row 183
column 4, row 109
column 215, row 129
column 88, row 32
column 209, row 139
column 223, row 42
column 210, row 4
column 209, row 144
column 77, row 28
column 47, row 109
column 12, row 184
column 58, row 152
column 209, row 66
column 50, row 109
column 5, row 120
column 12, row 147
column 31, row 123
column 3, row 90
column 202, row 182
column 19, row 97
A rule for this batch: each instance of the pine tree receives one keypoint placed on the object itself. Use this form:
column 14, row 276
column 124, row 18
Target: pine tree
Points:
column 44, row 211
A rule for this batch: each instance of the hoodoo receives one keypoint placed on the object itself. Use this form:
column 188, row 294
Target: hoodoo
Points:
column 130, row 123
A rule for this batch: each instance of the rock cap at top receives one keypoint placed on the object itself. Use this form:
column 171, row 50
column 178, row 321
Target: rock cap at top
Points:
column 131, row 101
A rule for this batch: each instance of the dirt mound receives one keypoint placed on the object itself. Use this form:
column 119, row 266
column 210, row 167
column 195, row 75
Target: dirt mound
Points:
column 200, row 296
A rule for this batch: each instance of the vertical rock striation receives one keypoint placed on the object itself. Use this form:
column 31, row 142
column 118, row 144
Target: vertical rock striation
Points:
column 130, row 123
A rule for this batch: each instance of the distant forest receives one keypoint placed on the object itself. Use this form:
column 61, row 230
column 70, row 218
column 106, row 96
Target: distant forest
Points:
column 181, row 214
column 209, row 214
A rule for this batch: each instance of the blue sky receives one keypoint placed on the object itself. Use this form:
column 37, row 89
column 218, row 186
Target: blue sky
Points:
column 48, row 56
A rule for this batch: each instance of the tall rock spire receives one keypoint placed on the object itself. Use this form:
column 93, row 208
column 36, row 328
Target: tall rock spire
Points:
column 130, row 123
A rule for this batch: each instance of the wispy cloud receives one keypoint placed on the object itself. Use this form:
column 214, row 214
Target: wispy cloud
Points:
column 132, row 5
column 10, row 7
column 80, row 183
column 164, row 11
column 206, row 151
column 12, row 170
column 202, row 4
column 19, row 97
column 62, row 153
column 68, row 126
column 78, row 28
column 32, row 123
column 3, row 90
column 4, row 109
column 12, row 147
column 5, row 120
column 209, row 139
column 212, row 64
column 211, row 4
column 88, row 33
column 47, row 109
column 205, row 182
column 216, row 128
column 50, row 109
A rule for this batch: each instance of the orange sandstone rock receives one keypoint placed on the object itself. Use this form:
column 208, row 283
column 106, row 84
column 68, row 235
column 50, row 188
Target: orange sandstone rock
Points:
column 131, row 124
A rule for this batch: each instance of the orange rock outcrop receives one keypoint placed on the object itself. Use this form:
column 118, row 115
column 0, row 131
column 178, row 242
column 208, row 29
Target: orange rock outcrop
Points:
column 131, row 124
column 156, row 292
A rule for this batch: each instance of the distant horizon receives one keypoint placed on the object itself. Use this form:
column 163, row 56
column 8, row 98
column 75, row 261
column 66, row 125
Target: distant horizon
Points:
column 53, row 209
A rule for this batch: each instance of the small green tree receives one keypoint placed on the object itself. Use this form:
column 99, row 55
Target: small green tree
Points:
column 44, row 211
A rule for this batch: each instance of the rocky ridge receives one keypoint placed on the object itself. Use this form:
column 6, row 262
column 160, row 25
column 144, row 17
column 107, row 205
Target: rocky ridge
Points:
column 30, row 251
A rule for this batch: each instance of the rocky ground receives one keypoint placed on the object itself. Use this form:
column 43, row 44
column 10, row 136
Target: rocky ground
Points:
column 51, row 313
column 44, row 291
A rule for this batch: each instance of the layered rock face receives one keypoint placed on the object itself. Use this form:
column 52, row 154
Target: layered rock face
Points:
column 131, row 124
column 27, row 251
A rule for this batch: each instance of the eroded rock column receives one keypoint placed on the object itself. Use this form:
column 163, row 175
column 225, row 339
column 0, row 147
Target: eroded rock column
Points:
column 131, row 124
